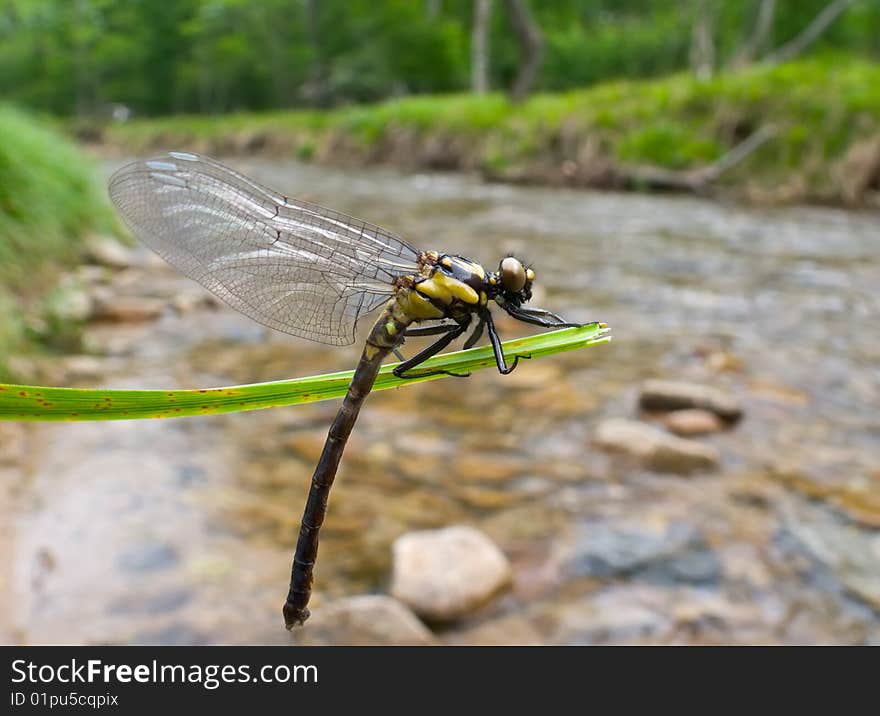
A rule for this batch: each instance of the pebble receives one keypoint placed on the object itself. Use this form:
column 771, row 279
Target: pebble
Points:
column 73, row 304
column 365, row 620
column 692, row 421
column 188, row 302
column 448, row 573
column 87, row 368
column 490, row 468
column 665, row 395
column 107, row 251
column 509, row 630
column 91, row 274
column 124, row 309
column 655, row 448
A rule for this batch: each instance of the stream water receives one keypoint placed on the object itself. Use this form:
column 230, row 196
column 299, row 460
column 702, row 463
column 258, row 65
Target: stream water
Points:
column 181, row 531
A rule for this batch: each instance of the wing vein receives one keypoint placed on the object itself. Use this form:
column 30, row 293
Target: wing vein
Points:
column 294, row 266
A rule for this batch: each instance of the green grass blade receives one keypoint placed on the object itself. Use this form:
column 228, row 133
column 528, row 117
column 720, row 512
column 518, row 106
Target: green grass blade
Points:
column 27, row 402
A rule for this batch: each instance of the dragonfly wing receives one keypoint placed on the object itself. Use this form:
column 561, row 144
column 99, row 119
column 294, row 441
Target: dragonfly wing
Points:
column 288, row 264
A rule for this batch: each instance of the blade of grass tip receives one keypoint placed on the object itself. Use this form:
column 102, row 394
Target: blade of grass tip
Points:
column 37, row 403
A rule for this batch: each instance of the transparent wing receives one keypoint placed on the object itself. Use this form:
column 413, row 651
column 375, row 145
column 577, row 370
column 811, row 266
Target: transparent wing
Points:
column 290, row 265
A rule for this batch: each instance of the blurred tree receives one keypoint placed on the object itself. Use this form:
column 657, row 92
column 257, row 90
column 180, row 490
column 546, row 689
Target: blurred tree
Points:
column 757, row 39
column 811, row 33
column 316, row 87
column 531, row 43
column 480, row 47
column 703, row 43
column 86, row 56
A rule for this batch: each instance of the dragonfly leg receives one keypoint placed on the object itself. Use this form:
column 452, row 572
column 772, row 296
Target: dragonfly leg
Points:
column 503, row 368
column 534, row 311
column 478, row 332
column 430, row 330
column 404, row 368
column 539, row 317
column 425, row 331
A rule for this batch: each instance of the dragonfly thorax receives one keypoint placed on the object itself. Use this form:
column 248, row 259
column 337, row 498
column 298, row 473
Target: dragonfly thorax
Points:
column 456, row 283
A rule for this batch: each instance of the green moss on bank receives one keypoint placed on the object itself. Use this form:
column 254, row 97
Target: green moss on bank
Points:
column 49, row 202
column 820, row 109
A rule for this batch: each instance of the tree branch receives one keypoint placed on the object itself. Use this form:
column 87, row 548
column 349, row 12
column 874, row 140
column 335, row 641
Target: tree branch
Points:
column 697, row 180
column 702, row 42
column 758, row 38
column 532, row 43
column 813, row 31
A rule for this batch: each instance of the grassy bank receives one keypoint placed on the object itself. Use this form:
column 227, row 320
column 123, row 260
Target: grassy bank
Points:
column 824, row 114
column 49, row 203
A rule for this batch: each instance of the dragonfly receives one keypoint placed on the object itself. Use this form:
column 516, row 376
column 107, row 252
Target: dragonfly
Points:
column 313, row 272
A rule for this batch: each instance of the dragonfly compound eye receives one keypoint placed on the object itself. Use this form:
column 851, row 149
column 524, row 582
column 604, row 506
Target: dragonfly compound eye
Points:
column 513, row 275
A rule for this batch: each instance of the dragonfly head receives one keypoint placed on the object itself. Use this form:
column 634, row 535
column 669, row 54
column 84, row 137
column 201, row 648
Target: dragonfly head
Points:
column 512, row 282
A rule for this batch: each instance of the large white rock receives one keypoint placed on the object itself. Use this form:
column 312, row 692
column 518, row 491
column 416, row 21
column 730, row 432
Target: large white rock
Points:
column 445, row 574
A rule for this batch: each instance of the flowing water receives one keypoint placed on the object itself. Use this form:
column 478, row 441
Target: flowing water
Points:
column 181, row 531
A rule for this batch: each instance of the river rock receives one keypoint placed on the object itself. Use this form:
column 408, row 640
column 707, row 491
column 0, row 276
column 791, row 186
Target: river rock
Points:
column 661, row 552
column 692, row 421
column 655, row 448
column 448, row 573
column 365, row 620
column 515, row 629
column 666, row 395
column 623, row 614
column 86, row 367
column 850, row 553
column 126, row 309
column 106, row 251
column 71, row 302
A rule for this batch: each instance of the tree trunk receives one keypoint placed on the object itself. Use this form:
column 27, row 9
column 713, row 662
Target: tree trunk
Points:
column 758, row 39
column 813, row 32
column 531, row 42
column 432, row 8
column 480, row 47
column 82, row 74
column 702, row 43
column 317, row 83
column 271, row 28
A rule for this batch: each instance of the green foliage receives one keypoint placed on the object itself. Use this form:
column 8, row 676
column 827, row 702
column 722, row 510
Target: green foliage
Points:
column 647, row 46
column 48, row 197
column 818, row 107
column 668, row 145
column 48, row 202
column 84, row 57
